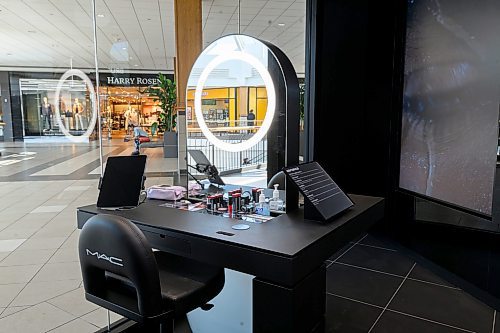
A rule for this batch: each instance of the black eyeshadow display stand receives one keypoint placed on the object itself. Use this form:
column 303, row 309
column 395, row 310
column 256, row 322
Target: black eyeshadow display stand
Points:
column 323, row 199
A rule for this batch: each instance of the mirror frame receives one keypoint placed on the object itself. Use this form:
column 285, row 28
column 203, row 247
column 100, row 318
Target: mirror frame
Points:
column 287, row 107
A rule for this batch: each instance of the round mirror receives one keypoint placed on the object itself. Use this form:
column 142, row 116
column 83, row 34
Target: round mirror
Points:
column 75, row 109
column 231, row 96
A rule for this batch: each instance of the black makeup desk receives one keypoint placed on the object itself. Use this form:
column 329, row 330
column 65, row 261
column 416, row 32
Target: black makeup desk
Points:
column 286, row 254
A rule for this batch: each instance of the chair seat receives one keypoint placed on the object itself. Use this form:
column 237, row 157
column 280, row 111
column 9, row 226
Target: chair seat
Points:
column 186, row 283
column 143, row 139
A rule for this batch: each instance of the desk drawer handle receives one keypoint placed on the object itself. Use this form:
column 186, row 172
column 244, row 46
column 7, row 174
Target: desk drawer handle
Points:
column 224, row 233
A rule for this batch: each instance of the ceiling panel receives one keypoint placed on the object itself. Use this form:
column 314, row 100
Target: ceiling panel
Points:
column 135, row 34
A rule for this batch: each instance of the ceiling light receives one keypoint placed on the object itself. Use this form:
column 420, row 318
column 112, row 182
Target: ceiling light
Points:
column 281, row 24
column 124, row 48
column 100, row 15
column 32, row 31
column 135, row 65
column 9, row 54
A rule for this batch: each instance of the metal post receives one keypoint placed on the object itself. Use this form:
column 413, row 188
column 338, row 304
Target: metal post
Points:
column 239, row 17
column 109, row 321
column 98, row 97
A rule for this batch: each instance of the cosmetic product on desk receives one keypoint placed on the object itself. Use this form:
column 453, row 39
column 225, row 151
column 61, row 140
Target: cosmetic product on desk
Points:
column 262, row 207
column 230, row 205
column 211, row 203
column 255, row 194
column 276, row 203
column 236, row 202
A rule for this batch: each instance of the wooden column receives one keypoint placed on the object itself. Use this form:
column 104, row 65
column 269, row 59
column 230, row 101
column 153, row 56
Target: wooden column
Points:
column 188, row 44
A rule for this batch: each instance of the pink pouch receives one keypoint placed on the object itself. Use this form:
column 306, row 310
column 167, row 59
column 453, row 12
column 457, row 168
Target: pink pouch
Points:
column 166, row 192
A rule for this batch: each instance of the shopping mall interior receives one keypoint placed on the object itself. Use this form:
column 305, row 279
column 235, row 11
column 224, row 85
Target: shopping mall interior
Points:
column 249, row 166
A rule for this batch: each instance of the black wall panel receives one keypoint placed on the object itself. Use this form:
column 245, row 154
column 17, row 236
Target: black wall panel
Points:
column 353, row 93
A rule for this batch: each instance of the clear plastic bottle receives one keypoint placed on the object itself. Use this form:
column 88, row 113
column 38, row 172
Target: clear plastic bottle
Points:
column 262, row 207
column 276, row 203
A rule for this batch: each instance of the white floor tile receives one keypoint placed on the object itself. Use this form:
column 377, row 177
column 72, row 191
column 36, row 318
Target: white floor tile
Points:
column 59, row 272
column 48, row 209
column 37, row 292
column 65, row 254
column 8, row 292
column 77, row 326
column 39, row 318
column 18, row 274
column 99, row 317
column 77, row 188
column 27, row 257
column 9, row 245
column 11, row 310
column 17, row 233
column 42, row 243
column 74, row 302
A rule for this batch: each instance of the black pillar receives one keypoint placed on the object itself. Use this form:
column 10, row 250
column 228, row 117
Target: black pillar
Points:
column 6, row 109
column 351, row 99
column 16, row 109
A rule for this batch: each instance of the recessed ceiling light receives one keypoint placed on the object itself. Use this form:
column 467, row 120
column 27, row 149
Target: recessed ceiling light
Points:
column 124, row 48
column 100, row 15
column 32, row 31
column 9, row 54
column 148, row 19
column 281, row 24
column 135, row 65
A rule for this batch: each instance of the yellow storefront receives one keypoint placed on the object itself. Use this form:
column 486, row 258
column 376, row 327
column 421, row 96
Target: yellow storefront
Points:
column 229, row 107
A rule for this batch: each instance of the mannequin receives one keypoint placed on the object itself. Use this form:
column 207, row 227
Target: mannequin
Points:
column 126, row 115
column 46, row 113
column 77, row 113
column 134, row 118
column 65, row 113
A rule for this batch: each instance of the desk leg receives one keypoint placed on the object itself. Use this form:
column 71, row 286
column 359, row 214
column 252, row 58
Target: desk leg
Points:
column 296, row 309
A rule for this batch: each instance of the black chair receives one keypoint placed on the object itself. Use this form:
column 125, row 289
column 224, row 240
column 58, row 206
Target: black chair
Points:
column 123, row 274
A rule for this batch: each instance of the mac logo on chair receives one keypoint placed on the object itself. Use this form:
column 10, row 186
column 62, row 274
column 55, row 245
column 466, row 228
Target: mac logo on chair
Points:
column 102, row 256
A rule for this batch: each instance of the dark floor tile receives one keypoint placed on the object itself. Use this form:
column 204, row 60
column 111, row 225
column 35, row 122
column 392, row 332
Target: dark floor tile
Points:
column 378, row 259
column 445, row 305
column 394, row 322
column 424, row 274
column 370, row 287
column 343, row 315
column 377, row 241
column 340, row 252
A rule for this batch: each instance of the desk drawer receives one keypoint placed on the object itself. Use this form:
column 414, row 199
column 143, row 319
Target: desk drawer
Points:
column 168, row 243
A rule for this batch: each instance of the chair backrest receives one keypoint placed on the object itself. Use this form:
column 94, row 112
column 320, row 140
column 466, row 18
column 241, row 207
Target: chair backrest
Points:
column 278, row 178
column 113, row 244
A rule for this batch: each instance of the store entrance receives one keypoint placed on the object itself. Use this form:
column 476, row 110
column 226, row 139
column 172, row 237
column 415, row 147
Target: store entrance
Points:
column 123, row 108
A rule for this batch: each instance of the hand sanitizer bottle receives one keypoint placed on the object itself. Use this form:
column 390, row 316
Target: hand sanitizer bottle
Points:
column 262, row 208
column 276, row 203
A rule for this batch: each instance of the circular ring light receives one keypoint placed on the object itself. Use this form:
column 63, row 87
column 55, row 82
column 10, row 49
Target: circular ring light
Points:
column 90, row 128
column 271, row 101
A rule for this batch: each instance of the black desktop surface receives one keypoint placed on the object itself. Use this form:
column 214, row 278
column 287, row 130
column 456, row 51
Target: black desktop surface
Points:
column 283, row 250
column 286, row 235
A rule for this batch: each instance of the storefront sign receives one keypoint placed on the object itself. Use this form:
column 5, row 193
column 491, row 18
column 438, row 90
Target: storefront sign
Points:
column 130, row 80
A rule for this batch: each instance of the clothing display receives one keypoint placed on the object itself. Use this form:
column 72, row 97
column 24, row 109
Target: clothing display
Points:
column 77, row 112
column 46, row 113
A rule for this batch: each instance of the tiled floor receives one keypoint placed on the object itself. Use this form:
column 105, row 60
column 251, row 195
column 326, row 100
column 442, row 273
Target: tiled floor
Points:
column 371, row 285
